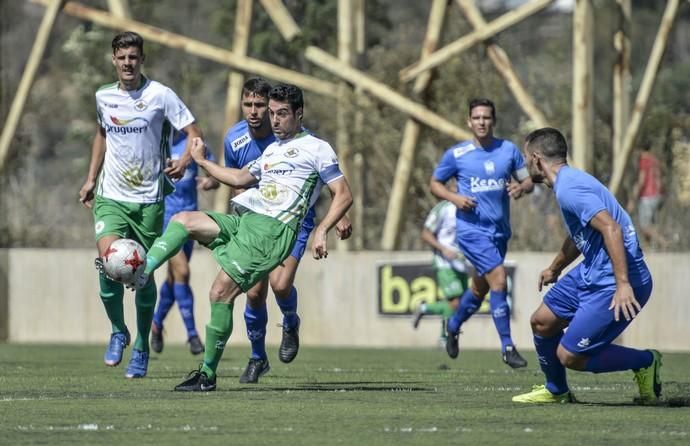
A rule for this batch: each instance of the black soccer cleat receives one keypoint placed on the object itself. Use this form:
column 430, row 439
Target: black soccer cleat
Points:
column 195, row 345
column 197, row 381
column 255, row 369
column 289, row 345
column 513, row 358
column 156, row 338
column 452, row 347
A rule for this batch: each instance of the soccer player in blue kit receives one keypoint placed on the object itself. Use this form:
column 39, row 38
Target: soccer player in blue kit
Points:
column 176, row 286
column 612, row 281
column 483, row 168
column 245, row 142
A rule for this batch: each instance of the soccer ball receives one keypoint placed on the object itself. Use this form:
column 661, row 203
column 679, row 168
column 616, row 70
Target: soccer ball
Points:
column 124, row 261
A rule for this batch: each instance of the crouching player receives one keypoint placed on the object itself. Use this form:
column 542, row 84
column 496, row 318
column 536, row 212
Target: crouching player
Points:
column 599, row 297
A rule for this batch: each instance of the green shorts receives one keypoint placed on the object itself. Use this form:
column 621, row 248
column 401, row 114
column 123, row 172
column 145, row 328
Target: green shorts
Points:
column 139, row 221
column 249, row 246
column 452, row 283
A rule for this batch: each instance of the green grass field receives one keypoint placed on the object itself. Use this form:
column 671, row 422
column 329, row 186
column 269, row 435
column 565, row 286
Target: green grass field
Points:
column 64, row 394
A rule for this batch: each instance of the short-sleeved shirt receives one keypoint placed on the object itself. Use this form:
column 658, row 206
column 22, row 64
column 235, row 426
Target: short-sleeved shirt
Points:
column 241, row 149
column 580, row 197
column 291, row 174
column 138, row 132
column 185, row 197
column 441, row 223
column 483, row 174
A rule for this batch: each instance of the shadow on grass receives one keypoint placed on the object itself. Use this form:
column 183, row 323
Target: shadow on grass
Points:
column 336, row 387
column 675, row 401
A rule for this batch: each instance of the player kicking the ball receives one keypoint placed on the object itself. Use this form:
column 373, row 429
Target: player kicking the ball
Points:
column 290, row 174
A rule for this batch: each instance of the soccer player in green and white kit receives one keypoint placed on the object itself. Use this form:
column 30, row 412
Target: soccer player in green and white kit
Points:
column 290, row 172
column 449, row 263
column 127, row 180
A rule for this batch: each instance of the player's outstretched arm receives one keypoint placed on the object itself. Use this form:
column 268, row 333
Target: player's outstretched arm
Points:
column 340, row 203
column 624, row 298
column 97, row 157
column 226, row 175
column 175, row 168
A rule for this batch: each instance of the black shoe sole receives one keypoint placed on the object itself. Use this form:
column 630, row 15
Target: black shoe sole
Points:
column 194, row 389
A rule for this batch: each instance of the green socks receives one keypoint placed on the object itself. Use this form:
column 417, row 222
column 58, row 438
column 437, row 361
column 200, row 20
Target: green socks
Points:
column 145, row 302
column 112, row 294
column 440, row 307
column 218, row 332
column 166, row 246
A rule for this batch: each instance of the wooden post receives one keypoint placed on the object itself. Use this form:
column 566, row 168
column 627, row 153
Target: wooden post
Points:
column 645, row 91
column 408, row 147
column 233, row 96
column 119, row 8
column 281, row 18
column 191, row 46
column 504, row 66
column 384, row 93
column 621, row 79
column 27, row 80
column 583, row 64
column 357, row 174
column 500, row 24
column 342, row 137
column 345, row 28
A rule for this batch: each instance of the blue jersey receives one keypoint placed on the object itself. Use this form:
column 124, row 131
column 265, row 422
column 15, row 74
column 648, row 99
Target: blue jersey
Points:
column 241, row 148
column 580, row 197
column 483, row 174
column 185, row 196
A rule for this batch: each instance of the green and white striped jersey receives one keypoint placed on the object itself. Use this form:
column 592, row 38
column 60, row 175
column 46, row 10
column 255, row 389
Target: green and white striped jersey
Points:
column 291, row 174
column 138, row 133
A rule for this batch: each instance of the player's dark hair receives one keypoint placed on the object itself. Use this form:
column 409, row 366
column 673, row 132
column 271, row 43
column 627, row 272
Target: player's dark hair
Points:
column 550, row 142
column 479, row 102
column 257, row 86
column 128, row 39
column 287, row 93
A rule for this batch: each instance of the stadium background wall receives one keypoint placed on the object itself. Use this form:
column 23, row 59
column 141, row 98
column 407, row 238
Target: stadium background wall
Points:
column 51, row 296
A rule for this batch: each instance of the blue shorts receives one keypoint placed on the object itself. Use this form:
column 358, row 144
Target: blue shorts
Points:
column 592, row 326
column 484, row 252
column 303, row 237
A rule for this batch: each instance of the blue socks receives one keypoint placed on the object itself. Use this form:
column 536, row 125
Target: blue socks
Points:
column 182, row 293
column 166, row 300
column 500, row 311
column 501, row 315
column 554, row 371
column 185, row 302
column 469, row 304
column 256, row 320
column 289, row 308
column 616, row 358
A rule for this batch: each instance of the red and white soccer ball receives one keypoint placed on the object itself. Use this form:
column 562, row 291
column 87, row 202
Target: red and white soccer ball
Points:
column 124, row 260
